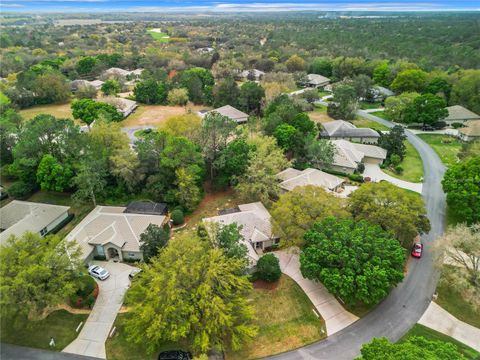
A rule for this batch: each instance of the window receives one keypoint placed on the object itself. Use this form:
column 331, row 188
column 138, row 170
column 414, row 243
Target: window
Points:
column 100, row 250
column 258, row 245
column 44, row 231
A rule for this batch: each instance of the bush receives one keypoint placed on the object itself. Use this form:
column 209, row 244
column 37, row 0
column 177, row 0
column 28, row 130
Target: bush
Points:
column 356, row 177
column 399, row 169
column 457, row 125
column 395, row 159
column 202, row 232
column 361, row 168
column 177, row 217
column 20, row 189
column 439, row 125
column 85, row 294
column 268, row 268
column 99, row 257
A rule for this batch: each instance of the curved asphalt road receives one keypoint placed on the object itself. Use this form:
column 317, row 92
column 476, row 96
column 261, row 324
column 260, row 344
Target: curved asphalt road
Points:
column 408, row 301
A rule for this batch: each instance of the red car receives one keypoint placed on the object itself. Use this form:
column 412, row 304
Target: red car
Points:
column 417, row 250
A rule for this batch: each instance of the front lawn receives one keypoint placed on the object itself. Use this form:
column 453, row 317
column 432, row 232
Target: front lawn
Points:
column 381, row 114
column 285, row 319
column 361, row 122
column 446, row 147
column 430, row 334
column 60, row 325
column 412, row 165
column 367, row 105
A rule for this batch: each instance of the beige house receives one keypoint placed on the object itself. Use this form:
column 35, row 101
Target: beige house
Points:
column 341, row 129
column 348, row 155
column 229, row 111
column 256, row 228
column 317, row 81
column 125, row 106
column 254, row 74
column 118, row 72
column 18, row 217
column 76, row 84
column 113, row 233
column 459, row 114
column 292, row 178
column 471, row 131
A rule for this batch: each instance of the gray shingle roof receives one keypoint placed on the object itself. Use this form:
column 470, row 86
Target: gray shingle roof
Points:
column 316, row 79
column 342, row 128
column 458, row 112
column 232, row 113
column 348, row 154
column 293, row 179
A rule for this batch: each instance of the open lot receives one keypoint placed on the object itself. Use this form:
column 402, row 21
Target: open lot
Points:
column 60, row 325
column 158, row 35
column 426, row 332
column 57, row 110
column 319, row 114
column 412, row 166
column 447, row 147
column 154, row 115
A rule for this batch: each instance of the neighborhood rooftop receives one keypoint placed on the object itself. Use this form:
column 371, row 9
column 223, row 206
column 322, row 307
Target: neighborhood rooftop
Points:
column 18, row 217
column 459, row 113
column 317, row 80
column 232, row 113
column 293, row 178
column 349, row 155
column 342, row 128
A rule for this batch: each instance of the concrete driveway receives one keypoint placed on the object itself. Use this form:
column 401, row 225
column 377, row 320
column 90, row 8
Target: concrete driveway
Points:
column 335, row 316
column 374, row 172
column 92, row 337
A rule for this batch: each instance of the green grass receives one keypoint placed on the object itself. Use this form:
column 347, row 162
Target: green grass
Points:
column 380, row 114
column 159, row 36
column 323, row 93
column 446, row 147
column 359, row 309
column 453, row 301
column 57, row 110
column 366, row 105
column 412, row 166
column 320, row 108
column 60, row 325
column 430, row 334
column 361, row 122
column 287, row 325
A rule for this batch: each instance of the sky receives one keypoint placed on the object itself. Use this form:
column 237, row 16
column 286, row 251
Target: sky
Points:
column 233, row 5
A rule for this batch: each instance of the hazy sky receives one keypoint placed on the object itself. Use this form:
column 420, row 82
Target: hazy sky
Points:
column 235, row 5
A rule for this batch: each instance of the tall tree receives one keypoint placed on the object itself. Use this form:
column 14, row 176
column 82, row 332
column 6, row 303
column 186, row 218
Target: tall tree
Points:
column 51, row 175
column 396, row 106
column 187, row 126
column 295, row 63
column 230, row 240
column 410, row 80
column 394, row 209
column 111, row 87
column 319, row 154
column 426, row 109
column 233, row 162
column 296, row 211
column 37, row 273
column 394, row 142
column 193, row 294
column 152, row 240
column 51, row 87
column 251, row 97
column 88, row 111
column 188, row 193
column 355, row 260
column 321, row 66
column 151, row 91
column 461, row 183
column 226, row 93
column 344, row 102
column 90, row 180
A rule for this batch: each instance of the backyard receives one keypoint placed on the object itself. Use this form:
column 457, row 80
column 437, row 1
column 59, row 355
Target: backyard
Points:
column 412, row 166
column 426, row 332
column 446, row 147
column 60, row 325
column 57, row 110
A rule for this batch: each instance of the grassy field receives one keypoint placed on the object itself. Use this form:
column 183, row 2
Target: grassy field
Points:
column 426, row 332
column 319, row 114
column 159, row 36
column 446, row 147
column 154, row 115
column 380, row 114
column 366, row 105
column 452, row 301
column 57, row 110
column 60, row 325
column 361, row 122
column 412, row 166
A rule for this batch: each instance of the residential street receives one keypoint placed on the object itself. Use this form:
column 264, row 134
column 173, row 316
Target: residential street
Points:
column 408, row 301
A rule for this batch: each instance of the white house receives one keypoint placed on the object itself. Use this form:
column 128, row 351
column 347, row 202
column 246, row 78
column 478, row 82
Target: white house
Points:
column 459, row 114
column 229, row 111
column 316, row 81
column 292, row 178
column 341, row 129
column 349, row 155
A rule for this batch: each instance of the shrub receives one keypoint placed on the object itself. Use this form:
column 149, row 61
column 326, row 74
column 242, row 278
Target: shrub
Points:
column 439, row 124
column 457, row 125
column 399, row 169
column 268, row 268
column 202, row 232
column 99, row 257
column 395, row 159
column 356, row 177
column 85, row 294
column 177, row 217
column 20, row 189
column 361, row 168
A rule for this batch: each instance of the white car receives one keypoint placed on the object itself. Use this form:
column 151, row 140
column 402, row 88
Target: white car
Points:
column 98, row 272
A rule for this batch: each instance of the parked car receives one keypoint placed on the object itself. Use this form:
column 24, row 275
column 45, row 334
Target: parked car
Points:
column 98, row 272
column 428, row 128
column 417, row 250
column 174, row 355
column 133, row 273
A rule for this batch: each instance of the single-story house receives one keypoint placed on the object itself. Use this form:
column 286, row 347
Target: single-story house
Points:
column 471, row 131
column 459, row 114
column 292, row 178
column 76, row 84
column 256, row 227
column 118, row 72
column 316, row 81
column 113, row 233
column 205, row 50
column 348, row 155
column 229, row 111
column 18, row 217
column 146, row 208
column 125, row 106
column 341, row 129
column 380, row 93
column 252, row 74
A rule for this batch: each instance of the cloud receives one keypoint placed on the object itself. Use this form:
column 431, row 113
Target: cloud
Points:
column 11, row 5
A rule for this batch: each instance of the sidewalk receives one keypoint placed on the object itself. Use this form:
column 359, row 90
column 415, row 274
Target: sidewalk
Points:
column 92, row 337
column 442, row 321
column 335, row 316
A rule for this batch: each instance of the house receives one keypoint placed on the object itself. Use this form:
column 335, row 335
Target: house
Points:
column 113, row 233
column 125, row 106
column 458, row 114
column 256, row 229
column 341, row 129
column 229, row 111
column 146, row 208
column 349, row 155
column 316, row 81
column 18, row 217
column 97, row 84
column 118, row 72
column 76, row 84
column 252, row 74
column 292, row 178
column 380, row 93
column 205, row 50
column 471, row 131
